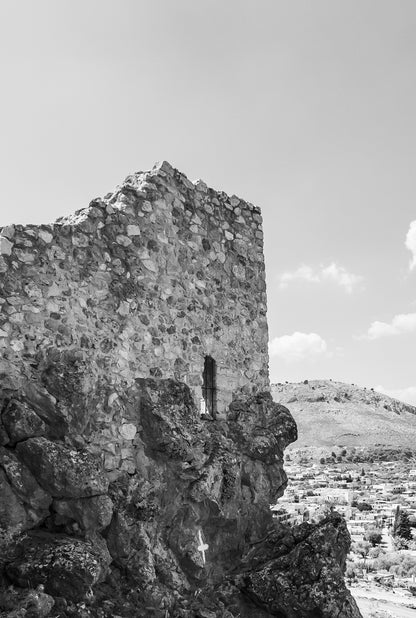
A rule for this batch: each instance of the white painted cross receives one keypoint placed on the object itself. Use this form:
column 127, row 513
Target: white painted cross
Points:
column 202, row 547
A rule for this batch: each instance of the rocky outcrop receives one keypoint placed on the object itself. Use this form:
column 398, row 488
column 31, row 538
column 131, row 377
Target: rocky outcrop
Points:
column 118, row 497
column 24, row 503
column 197, row 485
column 62, row 471
column 65, row 566
column 292, row 573
column 30, row 603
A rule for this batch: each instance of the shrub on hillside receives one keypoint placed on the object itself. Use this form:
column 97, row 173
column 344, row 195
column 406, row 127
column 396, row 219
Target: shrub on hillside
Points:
column 361, row 548
column 373, row 537
column 376, row 552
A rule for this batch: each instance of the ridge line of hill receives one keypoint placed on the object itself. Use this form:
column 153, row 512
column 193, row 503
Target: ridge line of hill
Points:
column 330, row 414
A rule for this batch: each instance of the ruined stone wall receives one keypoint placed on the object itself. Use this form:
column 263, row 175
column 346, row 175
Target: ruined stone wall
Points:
column 145, row 282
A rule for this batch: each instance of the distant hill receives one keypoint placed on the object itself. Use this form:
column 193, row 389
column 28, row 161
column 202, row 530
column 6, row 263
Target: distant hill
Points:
column 331, row 414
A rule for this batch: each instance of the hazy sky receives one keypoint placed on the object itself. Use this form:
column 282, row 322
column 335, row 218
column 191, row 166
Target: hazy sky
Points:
column 306, row 108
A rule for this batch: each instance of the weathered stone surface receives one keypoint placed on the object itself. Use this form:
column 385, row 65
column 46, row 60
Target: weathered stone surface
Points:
column 119, row 539
column 5, row 246
column 62, row 471
column 8, row 231
column 22, row 422
column 13, row 515
column 4, row 436
column 24, row 499
column 65, row 566
column 300, row 572
column 44, row 404
column 30, row 603
column 133, row 230
column 47, row 237
column 127, row 431
column 92, row 514
column 168, row 419
column 263, row 427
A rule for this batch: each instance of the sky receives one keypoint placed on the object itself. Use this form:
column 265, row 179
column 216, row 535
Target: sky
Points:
column 306, row 109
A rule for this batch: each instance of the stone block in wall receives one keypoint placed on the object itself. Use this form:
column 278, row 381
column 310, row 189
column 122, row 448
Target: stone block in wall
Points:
column 127, row 431
column 128, row 465
column 5, row 246
column 111, row 462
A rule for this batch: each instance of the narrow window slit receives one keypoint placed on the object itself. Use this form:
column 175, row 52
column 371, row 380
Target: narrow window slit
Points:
column 209, row 388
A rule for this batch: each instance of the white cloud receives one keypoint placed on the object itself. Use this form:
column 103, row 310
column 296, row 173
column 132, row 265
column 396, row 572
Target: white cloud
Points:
column 303, row 272
column 400, row 324
column 408, row 395
column 298, row 346
column 411, row 243
column 334, row 273
column 341, row 276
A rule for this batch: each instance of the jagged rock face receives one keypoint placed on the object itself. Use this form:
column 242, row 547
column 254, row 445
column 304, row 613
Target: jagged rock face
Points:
column 117, row 498
column 24, row 502
column 67, row 567
column 197, row 482
column 62, row 471
column 292, row 574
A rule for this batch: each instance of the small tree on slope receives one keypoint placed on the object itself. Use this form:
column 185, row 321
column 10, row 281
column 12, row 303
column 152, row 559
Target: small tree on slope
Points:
column 403, row 528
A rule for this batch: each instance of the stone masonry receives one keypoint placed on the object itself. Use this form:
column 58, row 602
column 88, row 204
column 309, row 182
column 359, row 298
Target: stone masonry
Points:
column 146, row 282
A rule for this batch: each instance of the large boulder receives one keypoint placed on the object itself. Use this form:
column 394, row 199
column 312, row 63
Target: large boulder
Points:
column 192, row 513
column 65, row 566
column 263, row 428
column 62, row 471
column 300, row 572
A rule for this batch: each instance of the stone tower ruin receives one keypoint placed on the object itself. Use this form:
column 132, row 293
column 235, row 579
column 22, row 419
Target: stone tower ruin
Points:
column 161, row 278
column 124, row 329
